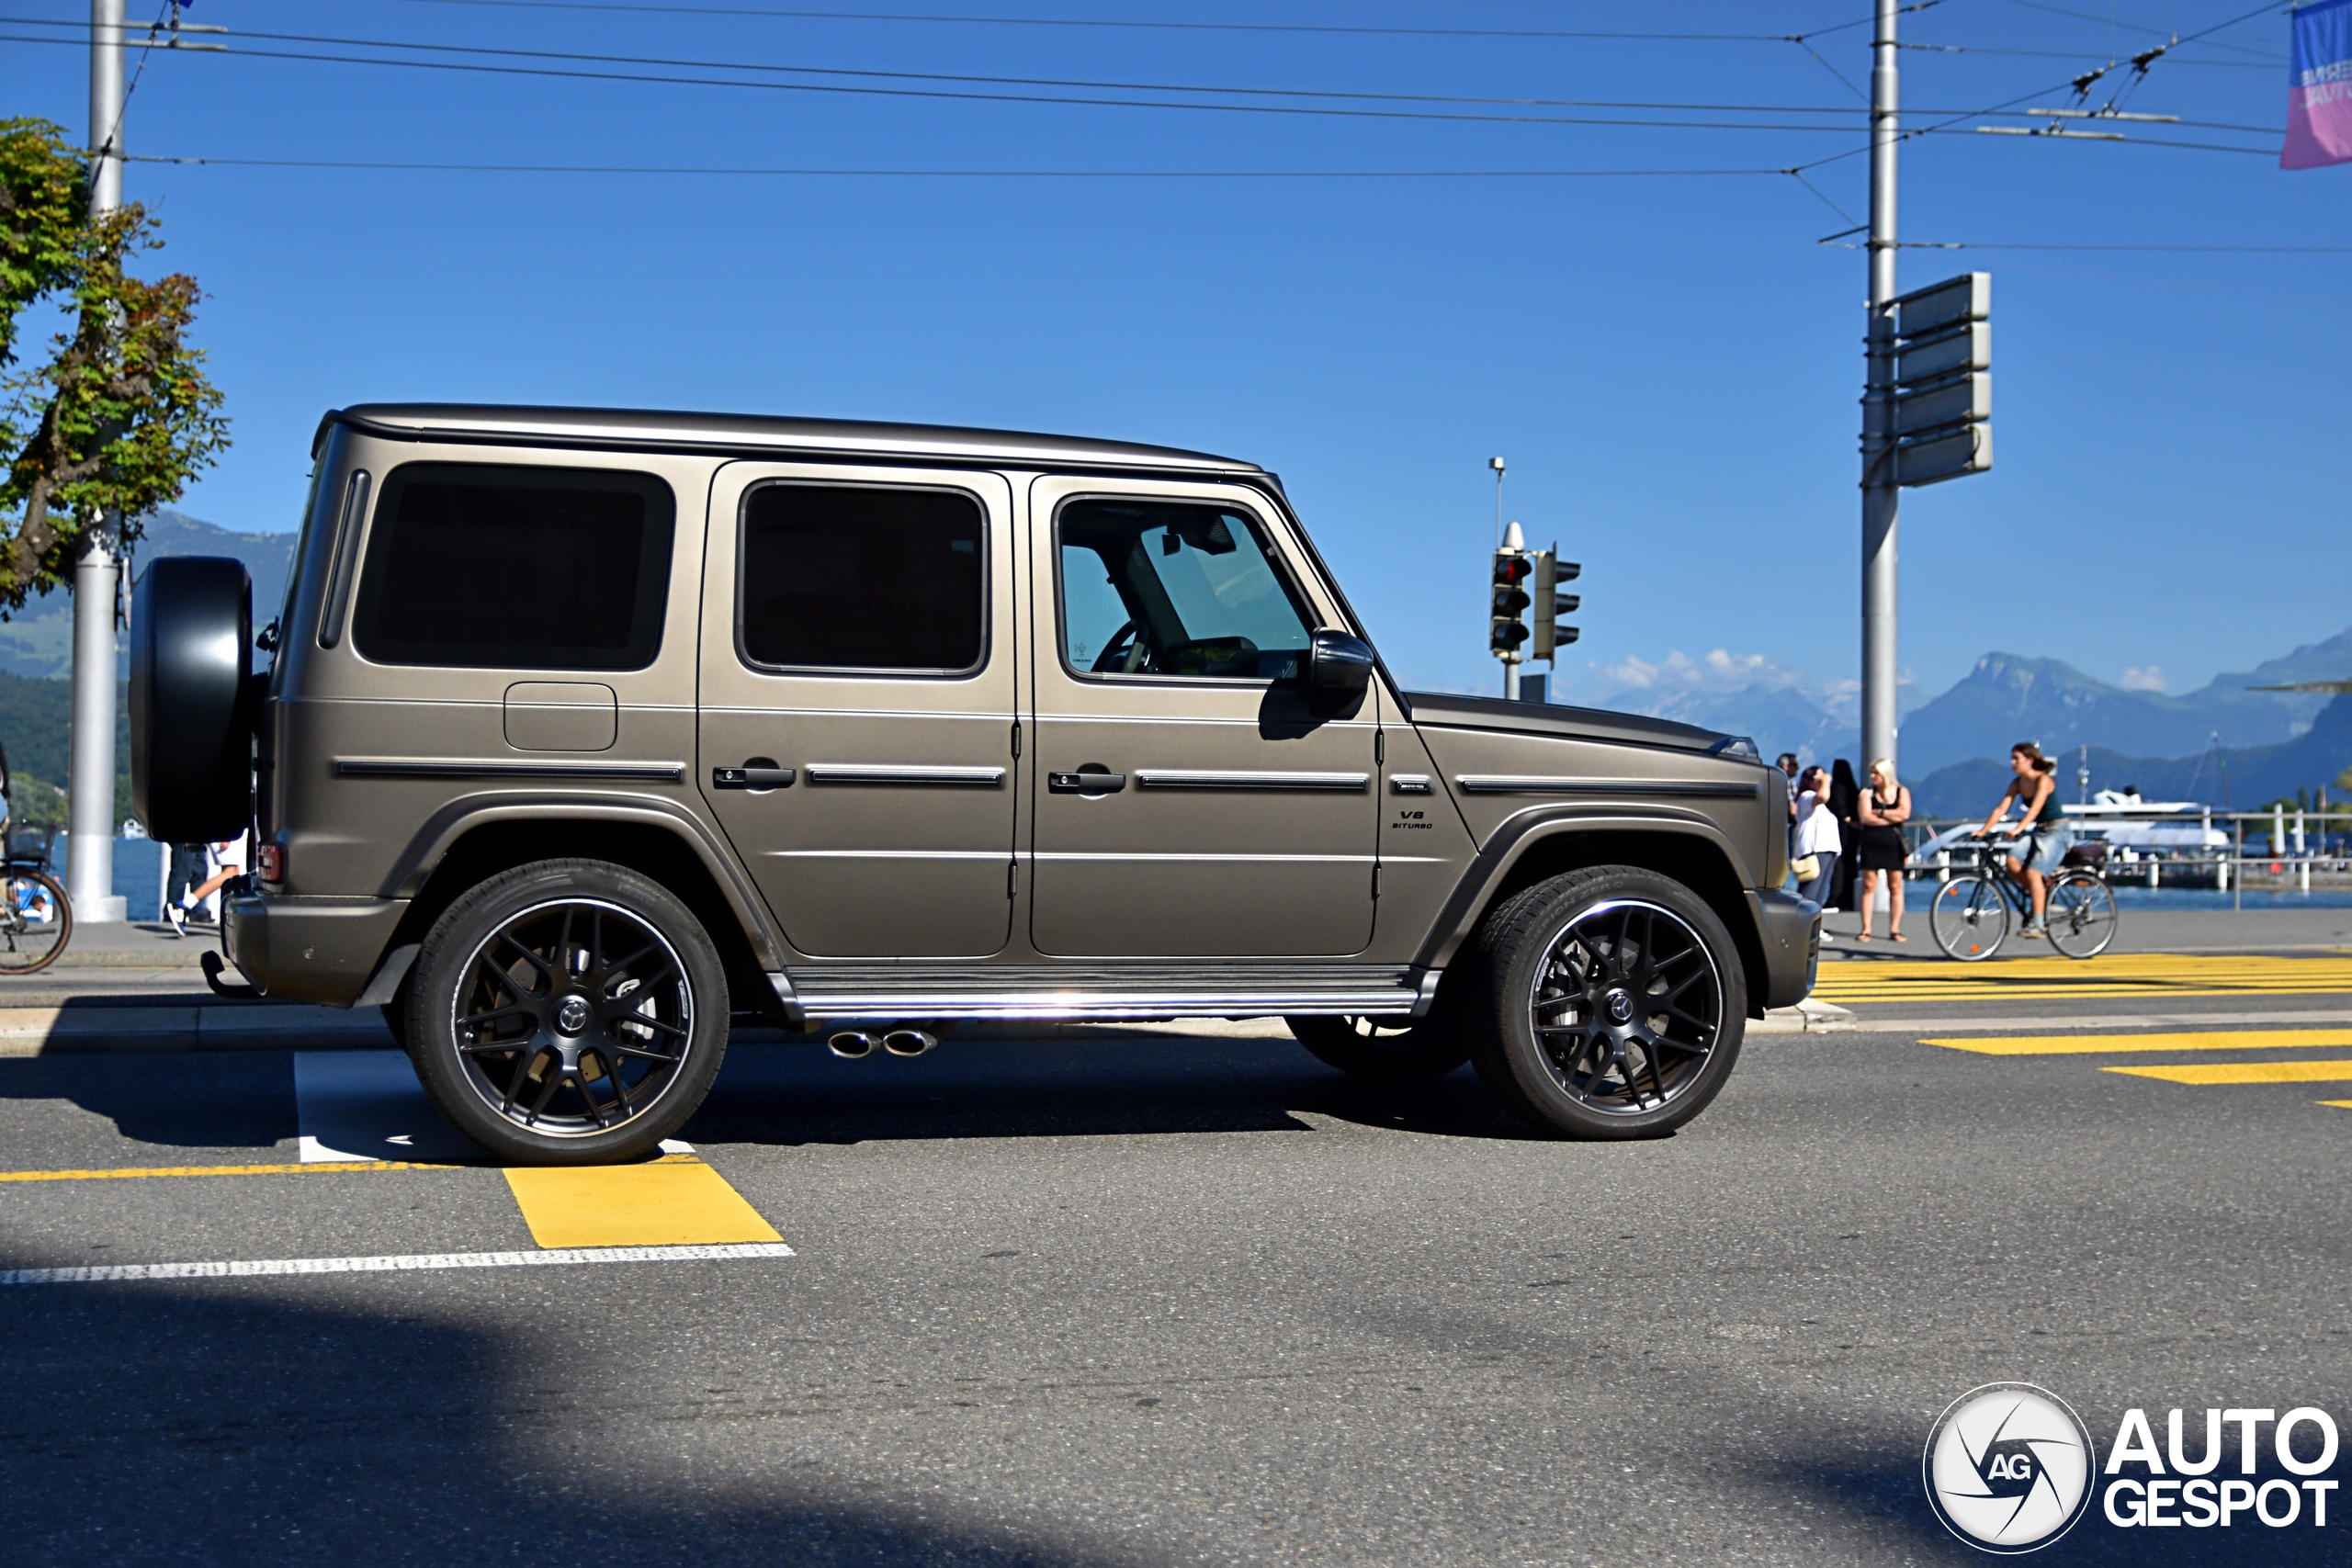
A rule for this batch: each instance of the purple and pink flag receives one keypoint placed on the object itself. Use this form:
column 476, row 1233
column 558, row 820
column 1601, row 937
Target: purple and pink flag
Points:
column 2319, row 87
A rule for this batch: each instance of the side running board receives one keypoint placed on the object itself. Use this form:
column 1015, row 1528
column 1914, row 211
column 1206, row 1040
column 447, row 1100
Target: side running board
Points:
column 902, row 992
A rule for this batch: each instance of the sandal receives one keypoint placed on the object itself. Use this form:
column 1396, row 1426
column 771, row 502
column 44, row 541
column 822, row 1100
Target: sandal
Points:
column 1896, row 936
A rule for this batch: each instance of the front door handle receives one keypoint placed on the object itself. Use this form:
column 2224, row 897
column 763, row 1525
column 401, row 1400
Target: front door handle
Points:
column 751, row 778
column 1086, row 781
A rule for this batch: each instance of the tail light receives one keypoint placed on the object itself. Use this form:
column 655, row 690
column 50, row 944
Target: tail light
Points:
column 270, row 861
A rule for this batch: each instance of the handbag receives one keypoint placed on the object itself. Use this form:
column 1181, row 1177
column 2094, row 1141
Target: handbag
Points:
column 1805, row 868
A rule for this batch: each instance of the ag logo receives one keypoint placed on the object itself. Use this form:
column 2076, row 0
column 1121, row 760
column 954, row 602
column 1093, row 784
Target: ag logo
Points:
column 2008, row 1467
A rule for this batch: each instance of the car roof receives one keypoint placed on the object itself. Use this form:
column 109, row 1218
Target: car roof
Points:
column 659, row 430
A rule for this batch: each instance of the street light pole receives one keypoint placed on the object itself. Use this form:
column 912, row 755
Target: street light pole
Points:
column 90, row 798
column 1881, row 496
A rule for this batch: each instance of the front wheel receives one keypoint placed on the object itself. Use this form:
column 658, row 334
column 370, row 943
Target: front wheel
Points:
column 1609, row 1003
column 567, row 1012
column 2081, row 915
column 1969, row 918
column 1388, row 1050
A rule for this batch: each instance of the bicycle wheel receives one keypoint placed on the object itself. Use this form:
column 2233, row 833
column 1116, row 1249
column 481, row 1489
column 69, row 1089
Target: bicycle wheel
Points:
column 1968, row 919
column 2081, row 915
column 35, row 922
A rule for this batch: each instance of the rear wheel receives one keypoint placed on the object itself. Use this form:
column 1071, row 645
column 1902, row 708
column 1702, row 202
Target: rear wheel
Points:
column 1611, row 1004
column 1387, row 1049
column 2081, row 915
column 567, row 1012
column 36, row 921
column 1969, row 918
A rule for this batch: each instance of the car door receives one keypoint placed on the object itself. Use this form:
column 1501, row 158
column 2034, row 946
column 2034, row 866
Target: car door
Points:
column 1187, row 801
column 857, row 702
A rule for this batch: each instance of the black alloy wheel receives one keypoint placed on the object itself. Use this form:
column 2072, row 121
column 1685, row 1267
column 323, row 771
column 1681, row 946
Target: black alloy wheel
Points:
column 1616, row 1004
column 568, row 1012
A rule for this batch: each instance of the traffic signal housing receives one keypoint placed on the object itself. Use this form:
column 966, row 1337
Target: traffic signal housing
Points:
column 1506, row 631
column 1551, row 604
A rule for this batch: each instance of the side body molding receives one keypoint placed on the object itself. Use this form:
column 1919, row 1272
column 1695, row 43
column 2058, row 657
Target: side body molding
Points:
column 459, row 817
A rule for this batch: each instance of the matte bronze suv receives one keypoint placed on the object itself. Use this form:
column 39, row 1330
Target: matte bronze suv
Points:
column 588, row 732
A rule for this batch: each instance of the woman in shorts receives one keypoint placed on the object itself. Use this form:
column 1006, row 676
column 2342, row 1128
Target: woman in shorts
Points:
column 2045, row 840
column 1884, row 808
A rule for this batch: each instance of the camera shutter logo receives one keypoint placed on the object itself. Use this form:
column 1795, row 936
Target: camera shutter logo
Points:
column 2008, row 1467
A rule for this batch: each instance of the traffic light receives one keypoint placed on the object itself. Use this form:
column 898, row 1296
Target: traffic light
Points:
column 1551, row 604
column 1506, row 631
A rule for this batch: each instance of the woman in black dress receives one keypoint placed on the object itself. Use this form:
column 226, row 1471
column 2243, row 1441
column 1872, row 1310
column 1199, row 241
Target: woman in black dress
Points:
column 1883, row 811
column 1845, row 804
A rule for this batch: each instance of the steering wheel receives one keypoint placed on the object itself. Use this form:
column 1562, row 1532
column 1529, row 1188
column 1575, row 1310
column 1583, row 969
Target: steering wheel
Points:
column 1119, row 657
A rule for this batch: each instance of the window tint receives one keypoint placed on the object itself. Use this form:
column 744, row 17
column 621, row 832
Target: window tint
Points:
column 835, row 577
column 515, row 567
column 1153, row 588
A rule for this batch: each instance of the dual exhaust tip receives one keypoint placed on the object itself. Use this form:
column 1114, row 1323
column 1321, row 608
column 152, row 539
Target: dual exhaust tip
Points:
column 853, row 1044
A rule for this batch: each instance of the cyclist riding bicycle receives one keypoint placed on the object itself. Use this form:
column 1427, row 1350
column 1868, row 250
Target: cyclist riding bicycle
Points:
column 2045, row 839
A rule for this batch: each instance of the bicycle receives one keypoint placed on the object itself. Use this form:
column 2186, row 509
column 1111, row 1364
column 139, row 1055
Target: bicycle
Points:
column 36, row 917
column 1970, row 915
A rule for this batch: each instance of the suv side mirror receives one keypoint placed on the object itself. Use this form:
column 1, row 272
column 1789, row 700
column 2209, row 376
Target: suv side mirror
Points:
column 1339, row 667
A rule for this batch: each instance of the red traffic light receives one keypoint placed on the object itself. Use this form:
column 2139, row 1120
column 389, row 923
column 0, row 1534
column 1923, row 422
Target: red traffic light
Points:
column 1511, row 571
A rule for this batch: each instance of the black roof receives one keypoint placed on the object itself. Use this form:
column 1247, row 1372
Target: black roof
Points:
column 657, row 430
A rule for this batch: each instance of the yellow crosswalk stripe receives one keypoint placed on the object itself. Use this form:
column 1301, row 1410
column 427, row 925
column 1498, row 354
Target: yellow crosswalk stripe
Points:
column 2092, row 1045
column 2112, row 975
column 657, row 1204
column 2244, row 1072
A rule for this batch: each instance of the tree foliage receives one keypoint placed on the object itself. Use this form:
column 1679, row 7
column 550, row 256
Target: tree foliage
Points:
column 120, row 417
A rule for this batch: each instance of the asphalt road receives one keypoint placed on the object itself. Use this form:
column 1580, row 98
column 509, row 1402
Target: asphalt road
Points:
column 1169, row 1299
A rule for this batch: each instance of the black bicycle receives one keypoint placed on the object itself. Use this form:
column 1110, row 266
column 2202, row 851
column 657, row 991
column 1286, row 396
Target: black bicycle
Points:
column 1970, row 916
column 35, row 920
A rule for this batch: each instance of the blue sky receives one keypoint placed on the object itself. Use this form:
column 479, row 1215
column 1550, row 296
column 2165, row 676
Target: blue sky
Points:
column 1670, row 362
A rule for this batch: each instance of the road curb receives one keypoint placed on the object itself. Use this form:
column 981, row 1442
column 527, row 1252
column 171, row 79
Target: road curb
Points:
column 230, row 1026
column 1808, row 1017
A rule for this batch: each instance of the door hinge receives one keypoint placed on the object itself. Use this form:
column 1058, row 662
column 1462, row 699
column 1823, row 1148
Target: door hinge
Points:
column 1011, row 880
column 1376, row 882
column 1379, row 748
column 1016, row 737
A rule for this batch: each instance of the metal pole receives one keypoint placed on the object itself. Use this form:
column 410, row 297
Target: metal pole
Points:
column 1881, row 496
column 90, row 802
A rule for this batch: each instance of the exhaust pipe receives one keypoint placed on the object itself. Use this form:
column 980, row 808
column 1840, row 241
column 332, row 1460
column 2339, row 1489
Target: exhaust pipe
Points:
column 908, row 1042
column 849, row 1045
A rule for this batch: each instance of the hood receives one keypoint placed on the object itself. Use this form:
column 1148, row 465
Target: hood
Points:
column 1581, row 724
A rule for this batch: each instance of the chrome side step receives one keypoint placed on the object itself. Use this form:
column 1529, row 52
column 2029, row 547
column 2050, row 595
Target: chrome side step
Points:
column 901, row 991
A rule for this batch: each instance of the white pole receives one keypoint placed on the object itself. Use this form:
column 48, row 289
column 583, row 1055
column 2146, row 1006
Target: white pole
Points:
column 90, row 802
column 1881, row 498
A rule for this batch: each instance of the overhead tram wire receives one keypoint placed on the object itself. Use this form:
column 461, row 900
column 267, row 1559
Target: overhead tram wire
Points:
column 951, row 173
column 937, row 94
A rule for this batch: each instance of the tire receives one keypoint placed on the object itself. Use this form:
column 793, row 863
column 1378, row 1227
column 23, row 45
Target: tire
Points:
column 191, row 708
column 1387, row 1049
column 1606, row 1003
column 2081, row 915
column 539, row 1044
column 1969, row 918
column 36, row 923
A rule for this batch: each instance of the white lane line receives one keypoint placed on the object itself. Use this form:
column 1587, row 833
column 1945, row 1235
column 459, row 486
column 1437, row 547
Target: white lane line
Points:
column 367, row 1105
column 406, row 1263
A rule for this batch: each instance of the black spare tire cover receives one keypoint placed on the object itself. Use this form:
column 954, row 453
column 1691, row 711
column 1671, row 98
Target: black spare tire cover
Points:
column 191, row 728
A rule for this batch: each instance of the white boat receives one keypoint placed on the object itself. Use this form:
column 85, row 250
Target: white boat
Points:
column 2119, row 819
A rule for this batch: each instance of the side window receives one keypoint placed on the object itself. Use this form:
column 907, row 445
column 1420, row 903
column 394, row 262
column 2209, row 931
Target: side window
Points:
column 1170, row 588
column 841, row 577
column 515, row 567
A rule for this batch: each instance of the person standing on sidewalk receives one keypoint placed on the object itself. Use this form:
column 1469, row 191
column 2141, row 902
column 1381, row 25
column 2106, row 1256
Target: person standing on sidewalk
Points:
column 1817, row 834
column 229, row 859
column 1885, row 808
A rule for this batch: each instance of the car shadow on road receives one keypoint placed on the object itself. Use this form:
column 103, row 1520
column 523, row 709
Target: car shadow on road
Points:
column 800, row 1093
column 224, row 1423
column 209, row 1099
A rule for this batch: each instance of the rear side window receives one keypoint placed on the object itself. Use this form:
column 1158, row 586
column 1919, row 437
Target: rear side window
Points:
column 836, row 577
column 516, row 567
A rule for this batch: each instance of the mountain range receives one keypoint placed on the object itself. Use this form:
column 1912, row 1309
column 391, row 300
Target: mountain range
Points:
column 38, row 639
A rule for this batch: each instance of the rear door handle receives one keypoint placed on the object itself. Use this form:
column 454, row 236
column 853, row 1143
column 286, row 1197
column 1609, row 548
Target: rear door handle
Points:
column 751, row 778
column 1086, row 783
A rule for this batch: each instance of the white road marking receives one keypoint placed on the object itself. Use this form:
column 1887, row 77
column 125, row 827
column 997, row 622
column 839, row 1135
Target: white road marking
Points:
column 367, row 1105
column 109, row 1272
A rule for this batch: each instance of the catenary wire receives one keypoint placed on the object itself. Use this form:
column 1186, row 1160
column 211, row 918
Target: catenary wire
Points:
column 945, row 174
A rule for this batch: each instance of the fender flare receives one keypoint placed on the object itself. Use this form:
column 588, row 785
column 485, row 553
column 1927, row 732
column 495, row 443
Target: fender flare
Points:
column 1521, row 832
column 432, row 840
